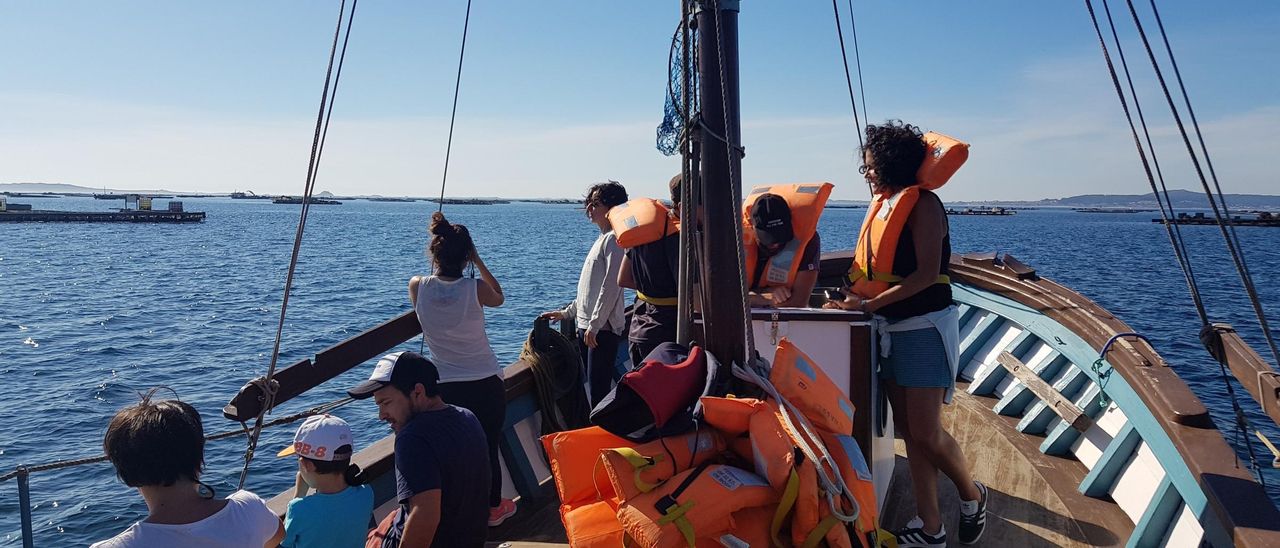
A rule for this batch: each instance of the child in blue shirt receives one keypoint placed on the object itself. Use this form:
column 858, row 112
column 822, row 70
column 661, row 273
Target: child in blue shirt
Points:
column 337, row 515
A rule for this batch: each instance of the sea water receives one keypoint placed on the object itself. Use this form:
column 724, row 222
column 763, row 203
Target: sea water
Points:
column 93, row 314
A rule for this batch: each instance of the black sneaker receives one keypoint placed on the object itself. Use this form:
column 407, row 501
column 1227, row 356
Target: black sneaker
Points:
column 971, row 525
column 913, row 536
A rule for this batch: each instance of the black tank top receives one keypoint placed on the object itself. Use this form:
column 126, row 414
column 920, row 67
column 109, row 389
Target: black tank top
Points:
column 931, row 299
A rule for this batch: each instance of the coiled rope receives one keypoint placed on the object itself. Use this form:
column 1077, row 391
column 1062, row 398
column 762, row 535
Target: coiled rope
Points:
column 556, row 365
column 327, row 95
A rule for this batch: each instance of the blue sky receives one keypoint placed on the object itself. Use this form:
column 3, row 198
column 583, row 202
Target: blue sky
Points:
column 220, row 96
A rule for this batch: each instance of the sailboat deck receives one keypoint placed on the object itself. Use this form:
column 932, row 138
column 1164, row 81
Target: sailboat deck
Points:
column 1032, row 499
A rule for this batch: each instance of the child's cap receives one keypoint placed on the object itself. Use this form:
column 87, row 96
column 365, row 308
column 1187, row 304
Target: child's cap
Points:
column 321, row 437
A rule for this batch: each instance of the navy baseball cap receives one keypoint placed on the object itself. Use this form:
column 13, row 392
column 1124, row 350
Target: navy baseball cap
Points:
column 771, row 218
column 401, row 369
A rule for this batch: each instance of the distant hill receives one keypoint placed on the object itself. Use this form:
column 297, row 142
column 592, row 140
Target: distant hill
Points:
column 1182, row 199
column 75, row 189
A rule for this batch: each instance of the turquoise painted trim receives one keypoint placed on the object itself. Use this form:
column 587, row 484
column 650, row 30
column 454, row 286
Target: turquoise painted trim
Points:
column 964, row 312
column 1119, row 452
column 1015, row 403
column 971, row 344
column 1153, row 528
column 1061, row 435
column 513, row 453
column 1018, row 347
column 1118, row 389
column 1036, row 421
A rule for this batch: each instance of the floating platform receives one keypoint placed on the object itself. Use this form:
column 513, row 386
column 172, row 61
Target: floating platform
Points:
column 1262, row 219
column 1110, row 210
column 298, row 200
column 469, row 201
column 996, row 211
column 130, row 216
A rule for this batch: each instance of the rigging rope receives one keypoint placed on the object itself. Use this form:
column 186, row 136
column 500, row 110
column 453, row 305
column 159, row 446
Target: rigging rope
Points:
column 735, row 191
column 848, row 78
column 457, row 85
column 857, row 57
column 1162, row 194
column 317, row 149
column 1224, row 219
column 1240, row 420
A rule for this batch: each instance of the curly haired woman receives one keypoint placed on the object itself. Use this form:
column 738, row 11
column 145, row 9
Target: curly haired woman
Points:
column 919, row 331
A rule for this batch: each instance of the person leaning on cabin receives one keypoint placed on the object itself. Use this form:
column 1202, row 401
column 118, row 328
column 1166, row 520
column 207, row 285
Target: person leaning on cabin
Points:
column 598, row 310
column 653, row 271
column 337, row 514
column 441, row 490
column 770, row 218
column 157, row 446
column 918, row 315
column 449, row 307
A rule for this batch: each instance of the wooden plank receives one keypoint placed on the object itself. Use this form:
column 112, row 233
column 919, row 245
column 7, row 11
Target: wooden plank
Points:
column 1015, row 402
column 1254, row 373
column 329, row 363
column 1117, row 454
column 1060, row 405
column 986, row 384
column 1153, row 527
column 1062, row 436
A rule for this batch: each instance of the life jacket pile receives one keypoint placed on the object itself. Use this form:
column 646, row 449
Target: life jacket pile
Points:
column 872, row 271
column 741, row 478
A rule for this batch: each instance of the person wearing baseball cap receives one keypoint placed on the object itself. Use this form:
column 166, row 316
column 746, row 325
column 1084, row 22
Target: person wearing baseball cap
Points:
column 774, row 232
column 337, row 514
column 443, row 495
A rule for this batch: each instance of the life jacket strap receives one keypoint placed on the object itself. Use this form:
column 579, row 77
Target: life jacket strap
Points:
column 659, row 301
column 860, row 273
column 639, row 463
column 789, row 495
column 820, row 532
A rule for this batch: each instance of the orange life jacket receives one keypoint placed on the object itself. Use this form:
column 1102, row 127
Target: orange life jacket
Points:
column 641, row 221
column 806, row 386
column 640, row 469
column 695, row 503
column 872, row 269
column 806, row 201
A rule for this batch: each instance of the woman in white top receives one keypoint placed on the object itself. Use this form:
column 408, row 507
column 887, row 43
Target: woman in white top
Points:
column 450, row 309
column 158, row 447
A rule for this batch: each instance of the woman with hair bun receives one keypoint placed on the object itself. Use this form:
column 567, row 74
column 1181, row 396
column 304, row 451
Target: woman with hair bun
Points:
column 450, row 309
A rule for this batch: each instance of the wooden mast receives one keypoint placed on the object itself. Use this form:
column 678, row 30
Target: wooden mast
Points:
column 720, row 180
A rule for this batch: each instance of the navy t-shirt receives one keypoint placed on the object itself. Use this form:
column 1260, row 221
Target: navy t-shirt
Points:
column 445, row 449
column 655, row 269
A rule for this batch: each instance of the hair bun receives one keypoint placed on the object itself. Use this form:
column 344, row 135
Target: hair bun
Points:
column 440, row 226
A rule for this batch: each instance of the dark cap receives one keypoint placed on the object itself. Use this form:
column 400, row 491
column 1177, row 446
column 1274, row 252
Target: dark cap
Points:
column 771, row 218
column 402, row 370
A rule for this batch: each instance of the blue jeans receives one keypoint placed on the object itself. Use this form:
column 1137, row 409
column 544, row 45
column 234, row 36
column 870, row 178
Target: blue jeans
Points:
column 601, row 363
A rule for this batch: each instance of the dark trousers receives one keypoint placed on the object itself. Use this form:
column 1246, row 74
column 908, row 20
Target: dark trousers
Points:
column 487, row 400
column 639, row 350
column 601, row 362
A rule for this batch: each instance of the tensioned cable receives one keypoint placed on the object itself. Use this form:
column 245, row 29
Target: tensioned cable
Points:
column 848, row 78
column 457, row 84
column 317, row 148
column 1228, row 228
column 857, row 59
column 1161, row 195
column 1241, row 421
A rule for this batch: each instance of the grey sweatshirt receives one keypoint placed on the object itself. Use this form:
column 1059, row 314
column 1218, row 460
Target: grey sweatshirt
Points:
column 599, row 305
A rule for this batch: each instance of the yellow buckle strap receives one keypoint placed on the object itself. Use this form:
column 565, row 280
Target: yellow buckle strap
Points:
column 820, row 532
column 676, row 516
column 660, row 301
column 639, row 462
column 789, row 496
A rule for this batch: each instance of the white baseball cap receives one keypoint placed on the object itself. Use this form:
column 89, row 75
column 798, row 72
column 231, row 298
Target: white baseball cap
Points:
column 321, row 437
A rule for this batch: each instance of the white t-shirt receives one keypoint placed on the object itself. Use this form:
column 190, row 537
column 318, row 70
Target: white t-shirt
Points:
column 243, row 523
